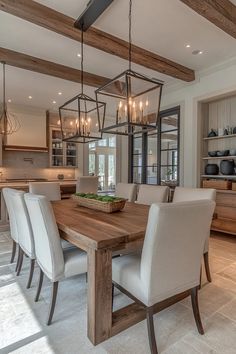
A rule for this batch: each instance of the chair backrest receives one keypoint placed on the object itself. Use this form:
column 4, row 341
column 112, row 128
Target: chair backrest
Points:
column 152, row 194
column 51, row 190
column 25, row 233
column 182, row 194
column 11, row 215
column 126, row 190
column 48, row 247
column 173, row 247
column 87, row 184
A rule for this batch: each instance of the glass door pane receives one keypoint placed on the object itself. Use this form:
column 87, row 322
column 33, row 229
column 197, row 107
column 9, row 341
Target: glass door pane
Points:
column 152, row 159
column 155, row 155
column 92, row 164
column 101, row 172
column 70, row 154
column 170, row 149
column 111, row 172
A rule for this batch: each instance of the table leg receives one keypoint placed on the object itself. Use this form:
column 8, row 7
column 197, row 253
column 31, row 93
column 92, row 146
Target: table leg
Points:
column 99, row 295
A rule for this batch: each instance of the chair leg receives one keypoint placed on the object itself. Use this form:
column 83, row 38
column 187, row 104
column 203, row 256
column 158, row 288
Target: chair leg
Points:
column 151, row 332
column 18, row 259
column 196, row 313
column 32, row 263
column 112, row 302
column 13, row 253
column 39, row 286
column 207, row 266
column 21, row 257
column 53, row 302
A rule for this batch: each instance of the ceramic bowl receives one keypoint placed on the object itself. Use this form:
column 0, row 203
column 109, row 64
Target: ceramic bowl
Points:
column 222, row 153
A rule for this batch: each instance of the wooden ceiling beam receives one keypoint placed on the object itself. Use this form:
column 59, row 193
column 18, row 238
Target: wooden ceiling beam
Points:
column 64, row 25
column 221, row 13
column 46, row 67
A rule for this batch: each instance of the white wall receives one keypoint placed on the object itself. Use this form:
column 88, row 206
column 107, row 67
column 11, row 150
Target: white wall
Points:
column 212, row 83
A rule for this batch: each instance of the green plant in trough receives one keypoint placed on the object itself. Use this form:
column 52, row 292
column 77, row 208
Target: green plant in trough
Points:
column 101, row 198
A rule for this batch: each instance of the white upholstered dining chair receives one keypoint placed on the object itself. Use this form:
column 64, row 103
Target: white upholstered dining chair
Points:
column 148, row 194
column 49, row 189
column 52, row 191
column 87, row 184
column 126, row 190
column 53, row 261
column 170, row 261
column 182, row 194
column 25, row 234
column 13, row 228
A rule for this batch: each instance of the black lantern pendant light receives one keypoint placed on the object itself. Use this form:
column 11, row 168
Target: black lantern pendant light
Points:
column 9, row 123
column 81, row 118
column 132, row 100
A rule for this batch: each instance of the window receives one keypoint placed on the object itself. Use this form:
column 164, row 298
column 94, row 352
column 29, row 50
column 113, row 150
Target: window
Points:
column 102, row 162
column 155, row 156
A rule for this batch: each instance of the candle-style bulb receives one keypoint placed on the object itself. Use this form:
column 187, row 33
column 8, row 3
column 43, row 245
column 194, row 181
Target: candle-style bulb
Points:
column 147, row 103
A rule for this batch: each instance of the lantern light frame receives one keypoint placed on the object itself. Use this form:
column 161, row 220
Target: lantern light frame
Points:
column 130, row 121
column 131, row 126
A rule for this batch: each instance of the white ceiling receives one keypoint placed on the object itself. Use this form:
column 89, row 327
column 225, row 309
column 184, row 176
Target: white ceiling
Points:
column 162, row 26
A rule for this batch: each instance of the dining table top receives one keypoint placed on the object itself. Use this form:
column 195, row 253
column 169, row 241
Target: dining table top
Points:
column 96, row 229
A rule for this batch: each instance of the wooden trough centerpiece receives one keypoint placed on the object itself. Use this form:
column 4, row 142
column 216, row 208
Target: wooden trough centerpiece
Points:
column 106, row 203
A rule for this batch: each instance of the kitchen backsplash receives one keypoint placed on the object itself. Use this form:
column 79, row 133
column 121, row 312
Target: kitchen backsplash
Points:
column 20, row 164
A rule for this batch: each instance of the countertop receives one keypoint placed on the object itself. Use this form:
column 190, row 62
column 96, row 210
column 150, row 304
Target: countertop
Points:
column 24, row 184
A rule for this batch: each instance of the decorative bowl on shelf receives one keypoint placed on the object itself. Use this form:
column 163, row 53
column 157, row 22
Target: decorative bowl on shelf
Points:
column 212, row 153
column 105, row 203
column 222, row 153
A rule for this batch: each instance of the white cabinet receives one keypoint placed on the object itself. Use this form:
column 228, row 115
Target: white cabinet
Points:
column 61, row 154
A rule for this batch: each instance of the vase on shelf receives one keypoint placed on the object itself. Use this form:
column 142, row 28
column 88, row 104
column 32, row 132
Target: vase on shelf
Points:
column 227, row 167
column 211, row 169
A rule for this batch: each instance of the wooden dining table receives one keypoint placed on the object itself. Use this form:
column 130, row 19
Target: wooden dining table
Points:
column 101, row 235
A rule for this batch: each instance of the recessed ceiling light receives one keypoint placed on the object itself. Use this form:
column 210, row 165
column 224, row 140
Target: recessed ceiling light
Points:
column 188, row 46
column 59, row 93
column 30, row 97
column 54, row 102
column 197, row 51
column 79, row 55
column 9, row 100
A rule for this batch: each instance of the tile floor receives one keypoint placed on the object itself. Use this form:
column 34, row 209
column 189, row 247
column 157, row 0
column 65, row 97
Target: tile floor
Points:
column 23, row 329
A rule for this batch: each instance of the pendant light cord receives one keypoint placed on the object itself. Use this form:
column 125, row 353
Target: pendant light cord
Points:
column 4, row 86
column 82, row 60
column 130, row 34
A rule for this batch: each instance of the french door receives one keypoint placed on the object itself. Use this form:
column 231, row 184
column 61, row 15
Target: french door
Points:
column 102, row 162
column 154, row 156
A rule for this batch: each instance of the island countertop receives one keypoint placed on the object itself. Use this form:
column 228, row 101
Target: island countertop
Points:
column 25, row 183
